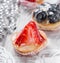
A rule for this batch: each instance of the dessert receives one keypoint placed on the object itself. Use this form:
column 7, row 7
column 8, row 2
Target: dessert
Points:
column 37, row 1
column 31, row 0
column 30, row 4
column 47, row 16
column 30, row 41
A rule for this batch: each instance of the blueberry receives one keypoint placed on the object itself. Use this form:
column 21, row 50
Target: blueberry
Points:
column 58, row 15
column 58, row 7
column 53, row 5
column 50, row 13
column 35, row 12
column 53, row 18
column 41, row 16
column 53, row 10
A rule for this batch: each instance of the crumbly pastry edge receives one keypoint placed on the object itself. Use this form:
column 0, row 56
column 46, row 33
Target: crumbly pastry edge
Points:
column 47, row 26
column 34, row 51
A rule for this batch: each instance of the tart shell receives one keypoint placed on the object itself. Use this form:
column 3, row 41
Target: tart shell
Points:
column 32, row 52
column 48, row 26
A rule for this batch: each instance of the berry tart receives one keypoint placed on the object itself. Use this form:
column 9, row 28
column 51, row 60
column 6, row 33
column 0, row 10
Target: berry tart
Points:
column 37, row 1
column 30, row 41
column 47, row 16
column 30, row 4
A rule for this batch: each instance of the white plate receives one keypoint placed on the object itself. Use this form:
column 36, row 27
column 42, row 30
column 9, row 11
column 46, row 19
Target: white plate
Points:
column 5, row 57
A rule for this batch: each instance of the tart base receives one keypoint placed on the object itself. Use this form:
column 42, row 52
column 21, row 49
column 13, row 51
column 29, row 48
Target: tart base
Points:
column 48, row 26
column 32, row 52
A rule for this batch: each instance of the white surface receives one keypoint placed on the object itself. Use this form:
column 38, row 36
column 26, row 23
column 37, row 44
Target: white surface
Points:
column 5, row 56
column 52, row 60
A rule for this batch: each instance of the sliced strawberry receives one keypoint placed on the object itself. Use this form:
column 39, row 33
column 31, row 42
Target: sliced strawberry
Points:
column 30, row 35
column 32, row 0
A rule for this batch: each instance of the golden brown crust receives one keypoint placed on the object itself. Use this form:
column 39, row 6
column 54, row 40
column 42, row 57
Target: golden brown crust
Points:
column 48, row 26
column 34, row 50
column 39, row 1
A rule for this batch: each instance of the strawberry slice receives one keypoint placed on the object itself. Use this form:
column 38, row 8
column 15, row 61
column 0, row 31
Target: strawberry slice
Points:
column 30, row 35
column 32, row 0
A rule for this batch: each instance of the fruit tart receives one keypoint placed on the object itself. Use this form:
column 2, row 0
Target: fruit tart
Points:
column 37, row 1
column 47, row 16
column 30, row 4
column 31, row 40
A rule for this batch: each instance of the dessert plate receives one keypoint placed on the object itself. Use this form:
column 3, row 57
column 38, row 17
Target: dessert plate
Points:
column 5, row 57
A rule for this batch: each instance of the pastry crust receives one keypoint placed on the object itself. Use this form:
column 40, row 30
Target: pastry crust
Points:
column 33, row 50
column 39, row 1
column 48, row 26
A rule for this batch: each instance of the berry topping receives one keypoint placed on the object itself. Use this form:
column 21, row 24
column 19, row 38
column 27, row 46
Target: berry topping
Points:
column 30, row 35
column 41, row 16
column 48, row 11
column 53, row 15
column 53, row 5
column 32, row 0
column 52, row 18
column 36, row 11
column 58, row 7
column 52, row 10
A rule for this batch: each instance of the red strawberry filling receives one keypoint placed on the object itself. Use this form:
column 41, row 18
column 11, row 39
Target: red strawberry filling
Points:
column 30, row 35
column 32, row 0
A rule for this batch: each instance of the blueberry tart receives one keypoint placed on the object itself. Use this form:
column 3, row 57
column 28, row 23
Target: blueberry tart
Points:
column 47, row 16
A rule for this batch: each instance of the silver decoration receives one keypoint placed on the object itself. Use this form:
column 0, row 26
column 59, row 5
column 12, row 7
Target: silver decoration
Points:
column 8, row 17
